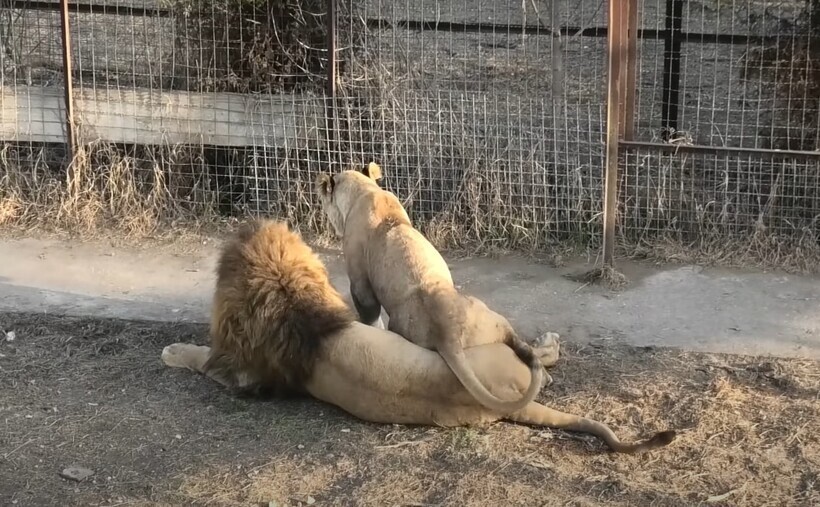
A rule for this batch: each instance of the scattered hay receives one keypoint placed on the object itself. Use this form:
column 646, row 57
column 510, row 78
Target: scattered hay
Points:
column 749, row 431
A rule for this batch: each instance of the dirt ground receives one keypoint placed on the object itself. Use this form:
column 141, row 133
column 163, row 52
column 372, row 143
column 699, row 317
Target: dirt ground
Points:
column 691, row 307
column 93, row 393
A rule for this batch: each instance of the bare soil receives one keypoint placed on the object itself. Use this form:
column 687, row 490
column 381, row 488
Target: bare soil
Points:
column 93, row 393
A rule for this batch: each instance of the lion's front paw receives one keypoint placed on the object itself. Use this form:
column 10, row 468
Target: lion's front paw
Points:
column 181, row 355
column 546, row 348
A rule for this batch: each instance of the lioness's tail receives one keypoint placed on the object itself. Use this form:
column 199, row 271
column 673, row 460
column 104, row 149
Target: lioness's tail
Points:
column 455, row 358
column 540, row 415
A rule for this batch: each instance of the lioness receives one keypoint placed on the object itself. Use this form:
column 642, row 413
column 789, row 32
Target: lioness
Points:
column 279, row 326
column 391, row 264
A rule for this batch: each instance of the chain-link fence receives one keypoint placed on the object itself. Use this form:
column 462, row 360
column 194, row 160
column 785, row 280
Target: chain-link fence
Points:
column 488, row 117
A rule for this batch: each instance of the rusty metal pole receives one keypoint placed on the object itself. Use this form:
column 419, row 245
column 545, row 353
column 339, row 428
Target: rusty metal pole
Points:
column 330, row 101
column 65, row 32
column 616, row 48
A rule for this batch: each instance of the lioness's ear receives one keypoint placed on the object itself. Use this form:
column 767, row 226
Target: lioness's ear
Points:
column 372, row 171
column 324, row 184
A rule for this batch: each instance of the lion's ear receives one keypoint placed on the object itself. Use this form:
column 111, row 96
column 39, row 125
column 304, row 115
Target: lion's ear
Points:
column 324, row 184
column 372, row 171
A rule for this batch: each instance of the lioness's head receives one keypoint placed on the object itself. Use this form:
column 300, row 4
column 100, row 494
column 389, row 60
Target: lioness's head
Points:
column 337, row 192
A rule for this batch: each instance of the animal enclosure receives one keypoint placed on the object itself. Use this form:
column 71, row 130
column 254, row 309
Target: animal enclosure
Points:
column 489, row 118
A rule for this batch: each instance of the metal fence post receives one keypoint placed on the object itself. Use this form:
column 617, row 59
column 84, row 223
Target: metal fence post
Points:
column 630, row 77
column 330, row 101
column 616, row 48
column 65, row 32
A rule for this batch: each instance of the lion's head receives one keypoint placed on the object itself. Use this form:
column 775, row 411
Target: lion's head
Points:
column 337, row 192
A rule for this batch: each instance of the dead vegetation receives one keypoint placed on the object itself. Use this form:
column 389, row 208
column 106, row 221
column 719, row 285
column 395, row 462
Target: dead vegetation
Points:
column 103, row 188
column 91, row 393
column 712, row 209
column 268, row 46
column 475, row 207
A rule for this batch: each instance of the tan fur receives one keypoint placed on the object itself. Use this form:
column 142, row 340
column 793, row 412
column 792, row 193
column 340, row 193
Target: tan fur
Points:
column 391, row 264
column 278, row 325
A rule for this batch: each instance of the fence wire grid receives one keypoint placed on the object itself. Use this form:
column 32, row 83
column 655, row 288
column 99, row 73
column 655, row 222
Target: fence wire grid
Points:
column 487, row 117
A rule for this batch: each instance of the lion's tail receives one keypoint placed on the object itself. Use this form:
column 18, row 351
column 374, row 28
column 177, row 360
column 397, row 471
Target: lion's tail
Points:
column 455, row 358
column 540, row 415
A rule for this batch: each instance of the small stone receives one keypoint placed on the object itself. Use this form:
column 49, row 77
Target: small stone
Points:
column 77, row 474
column 10, row 336
column 345, row 430
column 178, row 437
column 300, row 446
column 310, row 500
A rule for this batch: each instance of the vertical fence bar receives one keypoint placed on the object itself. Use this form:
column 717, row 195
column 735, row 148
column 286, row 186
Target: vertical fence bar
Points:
column 616, row 48
column 65, row 33
column 630, row 88
column 330, row 101
column 671, row 67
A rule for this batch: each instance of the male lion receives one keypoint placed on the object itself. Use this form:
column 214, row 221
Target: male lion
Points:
column 391, row 264
column 278, row 325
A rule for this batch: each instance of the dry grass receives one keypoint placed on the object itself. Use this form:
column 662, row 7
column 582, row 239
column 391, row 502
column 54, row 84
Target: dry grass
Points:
column 161, row 193
column 94, row 393
column 102, row 189
column 730, row 211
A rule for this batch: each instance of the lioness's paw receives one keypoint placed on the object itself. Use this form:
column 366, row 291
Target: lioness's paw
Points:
column 546, row 348
column 547, row 381
column 548, row 339
column 178, row 355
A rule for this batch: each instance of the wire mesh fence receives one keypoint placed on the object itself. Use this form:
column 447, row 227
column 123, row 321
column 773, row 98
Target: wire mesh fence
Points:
column 488, row 117
column 745, row 75
column 748, row 73
column 490, row 127
column 702, row 197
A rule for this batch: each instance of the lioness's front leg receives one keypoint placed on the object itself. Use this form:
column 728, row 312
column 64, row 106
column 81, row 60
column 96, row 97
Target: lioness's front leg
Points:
column 367, row 305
